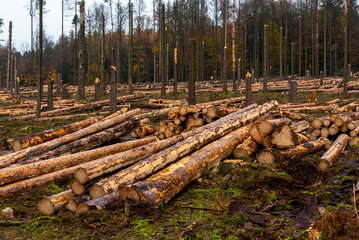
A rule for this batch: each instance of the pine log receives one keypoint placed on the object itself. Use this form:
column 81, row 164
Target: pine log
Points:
column 333, row 152
column 156, row 162
column 324, row 132
column 98, row 116
column 185, row 110
column 48, row 205
column 47, row 146
column 253, row 132
column 285, row 137
column 19, row 172
column 88, row 142
column 47, row 135
column 245, row 149
column 76, row 108
column 352, row 125
column 318, row 122
column 316, row 132
column 220, row 102
column 300, row 126
column 212, row 112
column 342, row 120
column 333, row 130
column 173, row 115
column 267, row 126
column 158, row 190
column 270, row 156
column 353, row 142
column 144, row 130
column 344, row 128
column 354, row 132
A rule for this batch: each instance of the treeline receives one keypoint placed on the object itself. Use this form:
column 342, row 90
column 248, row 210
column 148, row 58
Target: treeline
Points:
column 271, row 38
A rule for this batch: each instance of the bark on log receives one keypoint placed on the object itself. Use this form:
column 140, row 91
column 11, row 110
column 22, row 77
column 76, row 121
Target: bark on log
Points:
column 98, row 116
column 245, row 149
column 145, row 130
column 47, row 146
column 270, row 156
column 48, row 205
column 19, row 172
column 342, row 120
column 354, row 132
column 266, row 127
column 88, row 142
column 333, row 152
column 158, row 190
column 300, row 126
column 77, row 108
column 146, row 167
column 185, row 110
column 352, row 125
column 47, row 135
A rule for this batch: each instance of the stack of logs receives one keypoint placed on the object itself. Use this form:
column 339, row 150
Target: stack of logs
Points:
column 334, row 125
column 187, row 118
column 105, row 180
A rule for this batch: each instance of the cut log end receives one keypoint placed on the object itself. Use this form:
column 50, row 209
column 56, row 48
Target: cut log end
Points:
column 46, row 207
column 133, row 193
column 265, row 156
column 323, row 165
column 16, row 145
column 82, row 207
column 264, row 128
column 71, row 205
column 77, row 188
column 241, row 153
column 96, row 191
column 81, row 176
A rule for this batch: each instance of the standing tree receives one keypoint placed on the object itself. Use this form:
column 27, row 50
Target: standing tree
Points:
column 163, row 52
column 130, row 48
column 224, row 59
column 234, row 47
column 39, row 87
column 103, row 80
column 9, row 59
column 345, row 47
column 82, row 76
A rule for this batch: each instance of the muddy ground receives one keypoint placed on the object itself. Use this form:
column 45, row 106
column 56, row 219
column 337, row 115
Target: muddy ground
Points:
column 233, row 201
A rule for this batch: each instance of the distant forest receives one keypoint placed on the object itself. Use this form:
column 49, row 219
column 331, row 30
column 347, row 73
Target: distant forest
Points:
column 274, row 38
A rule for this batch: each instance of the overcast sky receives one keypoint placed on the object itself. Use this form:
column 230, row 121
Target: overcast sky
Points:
column 17, row 11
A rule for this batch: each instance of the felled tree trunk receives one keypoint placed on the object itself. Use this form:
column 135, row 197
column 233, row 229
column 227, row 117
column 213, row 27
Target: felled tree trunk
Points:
column 157, row 189
column 46, row 146
column 156, row 162
column 245, row 149
column 88, row 142
column 49, row 205
column 333, row 152
column 266, row 127
column 300, row 126
column 47, row 135
column 144, row 105
column 270, row 156
column 285, row 137
column 319, row 122
column 20, row 172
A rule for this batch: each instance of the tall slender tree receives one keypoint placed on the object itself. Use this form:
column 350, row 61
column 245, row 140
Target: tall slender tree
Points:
column 9, row 54
column 81, row 72
column 345, row 47
column 234, row 46
column 39, row 87
column 130, row 48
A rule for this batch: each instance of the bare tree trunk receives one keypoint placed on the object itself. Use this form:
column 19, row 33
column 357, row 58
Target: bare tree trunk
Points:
column 234, row 47
column 50, row 95
column 265, row 58
column 163, row 52
column 300, row 48
column 81, row 73
column 316, row 40
column 9, row 58
column 175, row 72
column 191, row 73
column 225, row 87
column 103, row 81
column 39, row 88
column 280, row 54
column 113, row 91
column 325, row 43
column 62, row 46
column 32, row 81
column 16, row 83
column 130, row 49
column 11, row 75
column 346, row 47
column 154, row 42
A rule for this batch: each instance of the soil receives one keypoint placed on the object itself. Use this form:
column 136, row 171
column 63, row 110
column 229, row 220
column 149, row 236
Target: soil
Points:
column 286, row 200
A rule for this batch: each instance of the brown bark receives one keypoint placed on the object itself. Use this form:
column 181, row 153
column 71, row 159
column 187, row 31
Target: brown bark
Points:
column 145, row 130
column 156, row 162
column 270, row 156
column 25, row 171
column 333, row 152
column 148, row 105
column 245, row 149
column 300, row 126
column 47, row 135
column 89, row 142
column 49, row 205
column 158, row 190
column 46, row 146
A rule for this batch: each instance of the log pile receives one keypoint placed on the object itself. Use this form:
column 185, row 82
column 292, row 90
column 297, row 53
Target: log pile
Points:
column 187, row 118
column 97, row 178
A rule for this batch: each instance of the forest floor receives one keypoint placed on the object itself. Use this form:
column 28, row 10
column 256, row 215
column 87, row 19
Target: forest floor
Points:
column 234, row 201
